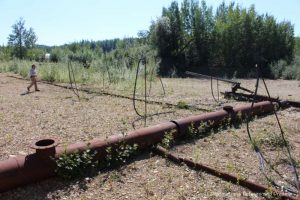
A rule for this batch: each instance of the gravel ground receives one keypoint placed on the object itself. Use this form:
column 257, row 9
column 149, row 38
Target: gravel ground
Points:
column 55, row 112
column 230, row 150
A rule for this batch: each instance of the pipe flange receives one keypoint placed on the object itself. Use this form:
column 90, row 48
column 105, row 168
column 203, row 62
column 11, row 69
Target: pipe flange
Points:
column 45, row 148
column 43, row 144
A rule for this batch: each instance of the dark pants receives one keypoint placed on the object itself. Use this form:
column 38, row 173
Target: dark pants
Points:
column 33, row 82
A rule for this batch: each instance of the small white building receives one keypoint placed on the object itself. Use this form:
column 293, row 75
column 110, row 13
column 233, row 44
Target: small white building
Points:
column 47, row 56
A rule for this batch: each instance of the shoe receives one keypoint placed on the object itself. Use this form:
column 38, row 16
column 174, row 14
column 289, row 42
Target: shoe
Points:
column 28, row 89
column 37, row 90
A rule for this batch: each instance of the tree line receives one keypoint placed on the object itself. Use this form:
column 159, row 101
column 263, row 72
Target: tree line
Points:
column 230, row 40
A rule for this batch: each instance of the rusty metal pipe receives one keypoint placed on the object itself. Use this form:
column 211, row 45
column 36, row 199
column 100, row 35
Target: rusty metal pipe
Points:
column 21, row 170
column 215, row 119
column 255, row 187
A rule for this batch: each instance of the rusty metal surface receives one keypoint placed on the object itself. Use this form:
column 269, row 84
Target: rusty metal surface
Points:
column 214, row 119
column 255, row 187
column 45, row 148
column 22, row 170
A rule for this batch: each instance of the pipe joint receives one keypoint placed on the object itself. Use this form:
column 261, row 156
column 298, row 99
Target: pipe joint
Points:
column 45, row 148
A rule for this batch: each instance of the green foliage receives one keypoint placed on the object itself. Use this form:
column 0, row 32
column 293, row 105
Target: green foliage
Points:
column 278, row 68
column 168, row 139
column 203, row 128
column 193, row 131
column 297, row 46
column 35, row 54
column 263, row 138
column 231, row 40
column 182, row 105
column 50, row 74
column 5, row 53
column 190, row 36
column 270, row 194
column 282, row 69
column 13, row 67
column 70, row 166
column 21, row 39
column 291, row 72
column 119, row 155
column 84, row 58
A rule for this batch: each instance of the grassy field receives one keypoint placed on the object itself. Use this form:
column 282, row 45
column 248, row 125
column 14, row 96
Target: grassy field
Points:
column 56, row 112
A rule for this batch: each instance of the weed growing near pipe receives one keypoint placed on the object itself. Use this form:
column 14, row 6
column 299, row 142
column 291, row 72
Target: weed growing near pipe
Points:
column 119, row 155
column 203, row 127
column 192, row 130
column 269, row 193
column 196, row 154
column 227, row 188
column 70, row 166
column 168, row 139
column 182, row 105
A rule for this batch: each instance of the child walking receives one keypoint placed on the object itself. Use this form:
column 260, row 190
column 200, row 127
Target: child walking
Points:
column 33, row 75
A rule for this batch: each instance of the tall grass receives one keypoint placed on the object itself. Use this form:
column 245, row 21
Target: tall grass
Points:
column 111, row 76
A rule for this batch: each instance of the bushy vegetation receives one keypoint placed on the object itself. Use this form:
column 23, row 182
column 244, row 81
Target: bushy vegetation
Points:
column 70, row 166
column 116, row 68
column 228, row 42
column 283, row 70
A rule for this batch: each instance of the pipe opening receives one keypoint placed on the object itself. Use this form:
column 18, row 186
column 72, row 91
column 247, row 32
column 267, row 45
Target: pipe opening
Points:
column 44, row 143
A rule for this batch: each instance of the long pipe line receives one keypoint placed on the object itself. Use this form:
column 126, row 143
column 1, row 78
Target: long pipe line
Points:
column 21, row 170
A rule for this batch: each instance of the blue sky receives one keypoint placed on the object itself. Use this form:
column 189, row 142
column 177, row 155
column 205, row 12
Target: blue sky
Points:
column 58, row 22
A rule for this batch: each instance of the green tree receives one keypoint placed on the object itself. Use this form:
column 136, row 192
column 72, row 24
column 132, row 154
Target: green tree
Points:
column 167, row 37
column 297, row 46
column 21, row 39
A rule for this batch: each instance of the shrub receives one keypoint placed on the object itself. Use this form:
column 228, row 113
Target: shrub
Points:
column 282, row 70
column 291, row 72
column 50, row 74
column 13, row 67
column 182, row 105
column 70, row 166
column 168, row 139
column 278, row 68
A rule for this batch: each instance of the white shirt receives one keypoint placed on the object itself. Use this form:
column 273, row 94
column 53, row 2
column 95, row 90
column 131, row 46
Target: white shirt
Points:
column 33, row 72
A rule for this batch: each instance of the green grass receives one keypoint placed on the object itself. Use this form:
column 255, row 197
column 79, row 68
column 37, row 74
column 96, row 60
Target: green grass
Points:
column 113, row 76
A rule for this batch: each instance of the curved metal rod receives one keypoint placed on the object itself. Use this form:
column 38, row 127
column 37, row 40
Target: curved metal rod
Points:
column 161, row 83
column 145, row 82
column 141, row 59
column 72, row 79
column 212, row 91
column 134, row 89
column 107, row 69
column 262, row 160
